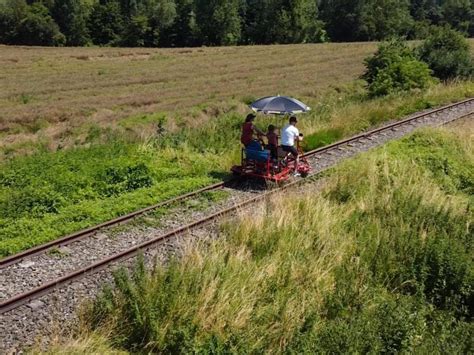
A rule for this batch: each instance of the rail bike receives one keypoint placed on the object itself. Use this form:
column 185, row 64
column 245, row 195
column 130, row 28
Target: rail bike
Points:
column 257, row 162
column 256, row 159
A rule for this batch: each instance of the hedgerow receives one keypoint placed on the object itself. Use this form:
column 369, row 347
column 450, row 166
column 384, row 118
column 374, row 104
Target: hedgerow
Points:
column 447, row 53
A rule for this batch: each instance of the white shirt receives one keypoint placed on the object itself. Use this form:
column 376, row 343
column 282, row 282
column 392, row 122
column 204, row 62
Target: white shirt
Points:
column 289, row 134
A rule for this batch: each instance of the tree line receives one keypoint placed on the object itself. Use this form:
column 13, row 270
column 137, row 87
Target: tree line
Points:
column 182, row 23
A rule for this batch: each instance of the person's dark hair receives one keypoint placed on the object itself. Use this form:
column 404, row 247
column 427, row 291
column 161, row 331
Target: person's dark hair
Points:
column 293, row 119
column 250, row 117
column 271, row 128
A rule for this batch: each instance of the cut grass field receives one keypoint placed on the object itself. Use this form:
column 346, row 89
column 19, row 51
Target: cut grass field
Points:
column 66, row 166
column 378, row 259
column 51, row 93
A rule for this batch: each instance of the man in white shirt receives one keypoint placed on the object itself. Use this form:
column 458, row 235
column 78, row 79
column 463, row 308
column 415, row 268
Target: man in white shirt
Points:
column 288, row 136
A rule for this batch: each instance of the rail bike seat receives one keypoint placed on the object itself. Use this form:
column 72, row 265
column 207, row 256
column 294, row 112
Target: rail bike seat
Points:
column 254, row 152
column 257, row 155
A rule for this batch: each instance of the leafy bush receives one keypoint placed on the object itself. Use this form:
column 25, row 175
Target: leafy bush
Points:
column 34, row 201
column 394, row 68
column 447, row 53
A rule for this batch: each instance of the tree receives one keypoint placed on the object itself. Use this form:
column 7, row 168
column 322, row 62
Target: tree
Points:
column 70, row 15
column 182, row 31
column 136, row 32
column 381, row 19
column 296, row 21
column 11, row 13
column 426, row 10
column 255, row 20
column 447, row 53
column 342, row 19
column 308, row 27
column 162, row 15
column 394, row 68
column 458, row 14
column 38, row 28
column 218, row 21
column 105, row 23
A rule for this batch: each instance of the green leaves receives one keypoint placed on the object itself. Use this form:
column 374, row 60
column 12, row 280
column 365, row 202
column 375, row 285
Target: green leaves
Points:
column 394, row 68
column 447, row 54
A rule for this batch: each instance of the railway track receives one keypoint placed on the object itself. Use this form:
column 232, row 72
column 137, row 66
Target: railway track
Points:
column 320, row 159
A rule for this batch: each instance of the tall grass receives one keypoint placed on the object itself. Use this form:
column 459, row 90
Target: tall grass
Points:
column 378, row 260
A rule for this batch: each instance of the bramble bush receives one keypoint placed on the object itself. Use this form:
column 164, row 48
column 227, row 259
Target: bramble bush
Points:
column 446, row 51
column 395, row 68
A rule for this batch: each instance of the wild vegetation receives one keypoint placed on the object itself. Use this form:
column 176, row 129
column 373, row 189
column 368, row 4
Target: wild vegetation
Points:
column 184, row 23
column 377, row 260
column 447, row 54
column 395, row 68
column 135, row 161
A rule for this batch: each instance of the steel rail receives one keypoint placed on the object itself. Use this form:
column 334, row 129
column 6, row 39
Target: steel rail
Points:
column 82, row 234
column 25, row 297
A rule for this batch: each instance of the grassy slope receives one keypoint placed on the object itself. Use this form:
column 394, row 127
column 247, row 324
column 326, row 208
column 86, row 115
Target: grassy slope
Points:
column 122, row 162
column 380, row 260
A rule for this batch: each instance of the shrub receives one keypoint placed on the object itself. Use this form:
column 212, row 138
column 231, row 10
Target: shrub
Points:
column 395, row 68
column 33, row 201
column 446, row 51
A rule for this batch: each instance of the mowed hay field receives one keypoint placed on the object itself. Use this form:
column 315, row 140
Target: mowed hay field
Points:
column 47, row 92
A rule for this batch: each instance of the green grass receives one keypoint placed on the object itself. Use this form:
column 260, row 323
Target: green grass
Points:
column 48, row 195
column 141, row 162
column 379, row 260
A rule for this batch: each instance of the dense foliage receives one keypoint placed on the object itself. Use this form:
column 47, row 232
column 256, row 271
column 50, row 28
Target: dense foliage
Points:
column 178, row 23
column 394, row 67
column 380, row 261
column 447, row 53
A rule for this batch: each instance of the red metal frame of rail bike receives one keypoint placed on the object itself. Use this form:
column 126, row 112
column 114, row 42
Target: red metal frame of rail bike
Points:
column 278, row 170
column 25, row 297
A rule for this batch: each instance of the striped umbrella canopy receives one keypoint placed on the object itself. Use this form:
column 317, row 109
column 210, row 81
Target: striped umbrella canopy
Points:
column 279, row 105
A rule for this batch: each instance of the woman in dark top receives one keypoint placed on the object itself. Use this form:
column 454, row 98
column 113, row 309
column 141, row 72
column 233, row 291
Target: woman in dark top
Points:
column 248, row 129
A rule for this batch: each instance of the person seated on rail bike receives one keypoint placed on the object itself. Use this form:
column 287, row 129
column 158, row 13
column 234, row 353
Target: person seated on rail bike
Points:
column 248, row 130
column 289, row 135
column 272, row 142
